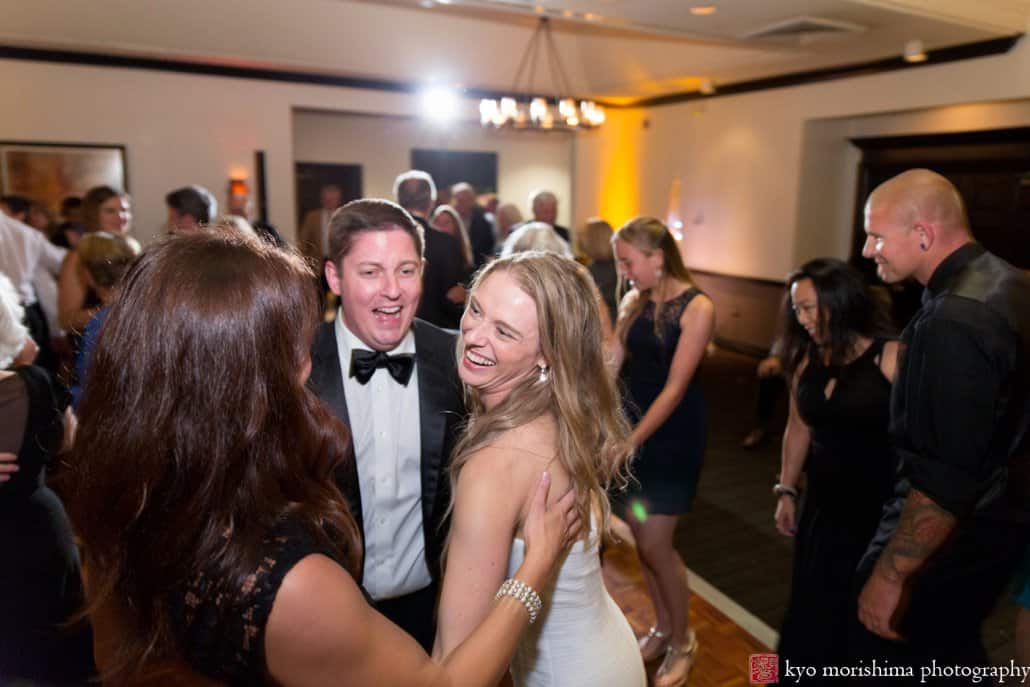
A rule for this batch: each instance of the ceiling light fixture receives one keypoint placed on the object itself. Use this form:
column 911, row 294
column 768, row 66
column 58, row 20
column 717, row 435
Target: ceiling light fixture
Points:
column 703, row 10
column 560, row 112
column 915, row 51
column 440, row 104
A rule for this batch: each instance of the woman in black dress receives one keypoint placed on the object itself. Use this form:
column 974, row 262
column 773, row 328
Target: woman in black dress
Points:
column 840, row 363
column 40, row 585
column 217, row 544
column 664, row 326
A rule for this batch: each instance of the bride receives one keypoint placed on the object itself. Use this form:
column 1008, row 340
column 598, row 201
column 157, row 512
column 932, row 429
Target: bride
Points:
column 532, row 362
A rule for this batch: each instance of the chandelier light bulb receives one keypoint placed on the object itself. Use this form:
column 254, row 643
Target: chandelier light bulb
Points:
column 488, row 111
column 509, row 108
column 537, row 108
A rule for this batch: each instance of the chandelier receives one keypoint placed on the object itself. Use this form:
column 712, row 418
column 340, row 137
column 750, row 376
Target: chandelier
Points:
column 559, row 112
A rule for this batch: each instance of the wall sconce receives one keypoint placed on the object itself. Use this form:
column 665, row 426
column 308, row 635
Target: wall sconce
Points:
column 915, row 51
column 238, row 187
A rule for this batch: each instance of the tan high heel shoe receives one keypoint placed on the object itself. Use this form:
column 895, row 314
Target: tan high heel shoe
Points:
column 678, row 662
column 653, row 644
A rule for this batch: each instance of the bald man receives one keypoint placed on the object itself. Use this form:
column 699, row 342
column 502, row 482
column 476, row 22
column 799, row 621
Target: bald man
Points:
column 954, row 533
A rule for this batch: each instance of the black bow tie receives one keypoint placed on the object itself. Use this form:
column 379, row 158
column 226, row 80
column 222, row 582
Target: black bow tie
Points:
column 363, row 365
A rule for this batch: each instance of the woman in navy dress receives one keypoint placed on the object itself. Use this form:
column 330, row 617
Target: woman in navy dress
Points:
column 840, row 363
column 664, row 326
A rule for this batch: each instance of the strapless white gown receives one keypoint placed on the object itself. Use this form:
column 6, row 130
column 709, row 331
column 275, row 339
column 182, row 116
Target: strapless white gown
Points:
column 581, row 638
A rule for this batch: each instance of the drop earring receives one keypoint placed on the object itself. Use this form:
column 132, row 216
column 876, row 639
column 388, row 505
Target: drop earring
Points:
column 544, row 374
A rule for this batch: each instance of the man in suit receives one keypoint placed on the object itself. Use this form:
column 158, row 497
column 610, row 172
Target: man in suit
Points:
column 189, row 208
column 313, row 236
column 393, row 381
column 480, row 231
column 545, row 209
column 443, row 293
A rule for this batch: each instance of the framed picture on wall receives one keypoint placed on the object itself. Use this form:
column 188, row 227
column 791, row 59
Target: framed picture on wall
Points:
column 49, row 172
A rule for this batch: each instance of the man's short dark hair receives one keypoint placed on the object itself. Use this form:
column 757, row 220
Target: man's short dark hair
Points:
column 18, row 205
column 370, row 214
column 415, row 190
column 195, row 201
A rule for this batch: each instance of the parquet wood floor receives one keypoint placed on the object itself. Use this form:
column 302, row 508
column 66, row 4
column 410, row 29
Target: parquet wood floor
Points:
column 724, row 647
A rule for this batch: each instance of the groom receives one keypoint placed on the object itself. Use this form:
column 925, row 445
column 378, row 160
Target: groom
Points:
column 393, row 381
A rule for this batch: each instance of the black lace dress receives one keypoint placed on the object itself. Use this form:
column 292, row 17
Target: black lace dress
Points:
column 850, row 471
column 222, row 635
column 667, row 467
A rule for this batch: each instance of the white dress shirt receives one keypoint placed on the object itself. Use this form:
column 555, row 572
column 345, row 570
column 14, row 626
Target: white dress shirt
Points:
column 23, row 253
column 385, row 429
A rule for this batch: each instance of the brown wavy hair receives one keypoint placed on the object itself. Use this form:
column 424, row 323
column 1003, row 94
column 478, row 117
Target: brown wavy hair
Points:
column 593, row 431
column 198, row 435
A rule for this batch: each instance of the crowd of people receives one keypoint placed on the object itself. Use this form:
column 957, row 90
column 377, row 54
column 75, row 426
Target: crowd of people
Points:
column 416, row 489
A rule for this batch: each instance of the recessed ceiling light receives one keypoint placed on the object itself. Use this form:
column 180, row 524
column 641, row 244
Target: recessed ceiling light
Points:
column 702, row 10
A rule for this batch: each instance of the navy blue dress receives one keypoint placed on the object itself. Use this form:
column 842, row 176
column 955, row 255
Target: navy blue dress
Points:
column 668, row 465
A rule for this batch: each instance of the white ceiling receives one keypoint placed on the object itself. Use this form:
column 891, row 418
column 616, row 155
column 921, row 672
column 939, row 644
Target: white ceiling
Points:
column 616, row 49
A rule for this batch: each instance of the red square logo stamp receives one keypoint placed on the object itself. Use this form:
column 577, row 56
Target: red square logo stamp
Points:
column 764, row 668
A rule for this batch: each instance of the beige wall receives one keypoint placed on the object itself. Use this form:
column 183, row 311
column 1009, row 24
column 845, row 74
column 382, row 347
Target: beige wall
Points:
column 526, row 161
column 767, row 179
column 178, row 128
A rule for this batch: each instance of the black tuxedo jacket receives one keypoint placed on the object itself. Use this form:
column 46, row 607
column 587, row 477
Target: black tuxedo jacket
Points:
column 441, row 413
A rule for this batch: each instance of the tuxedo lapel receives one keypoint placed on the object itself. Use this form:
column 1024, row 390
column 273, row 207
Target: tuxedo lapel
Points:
column 326, row 381
column 433, row 390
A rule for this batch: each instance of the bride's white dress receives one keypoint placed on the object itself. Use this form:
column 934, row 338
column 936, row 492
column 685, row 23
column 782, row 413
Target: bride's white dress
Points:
column 581, row 638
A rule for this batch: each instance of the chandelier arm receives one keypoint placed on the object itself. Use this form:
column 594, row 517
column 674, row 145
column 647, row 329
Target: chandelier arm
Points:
column 530, row 51
column 562, row 83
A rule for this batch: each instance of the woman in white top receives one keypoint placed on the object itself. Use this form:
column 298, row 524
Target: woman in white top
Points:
column 532, row 361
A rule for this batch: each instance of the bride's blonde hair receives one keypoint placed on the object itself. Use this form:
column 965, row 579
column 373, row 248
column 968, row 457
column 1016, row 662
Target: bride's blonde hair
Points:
column 593, row 432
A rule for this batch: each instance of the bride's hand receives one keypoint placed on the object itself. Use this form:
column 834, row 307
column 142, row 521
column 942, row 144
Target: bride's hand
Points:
column 548, row 532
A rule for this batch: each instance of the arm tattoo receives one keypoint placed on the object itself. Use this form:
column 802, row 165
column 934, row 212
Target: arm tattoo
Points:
column 922, row 529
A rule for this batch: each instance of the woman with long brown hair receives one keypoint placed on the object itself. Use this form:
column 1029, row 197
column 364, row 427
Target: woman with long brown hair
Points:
column 203, row 491
column 532, row 361
column 663, row 329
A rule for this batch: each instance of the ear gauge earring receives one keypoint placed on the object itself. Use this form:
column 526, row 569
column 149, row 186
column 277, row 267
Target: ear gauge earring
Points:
column 922, row 246
column 544, row 374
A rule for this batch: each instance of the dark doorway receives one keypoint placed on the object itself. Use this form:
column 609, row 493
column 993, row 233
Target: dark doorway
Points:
column 991, row 169
column 312, row 176
column 448, row 167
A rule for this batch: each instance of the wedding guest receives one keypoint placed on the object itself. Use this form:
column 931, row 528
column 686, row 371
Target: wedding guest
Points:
column 103, row 209
column 664, row 327
column 840, row 362
column 958, row 525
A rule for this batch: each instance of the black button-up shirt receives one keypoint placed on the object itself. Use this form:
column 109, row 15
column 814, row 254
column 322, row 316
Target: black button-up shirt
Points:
column 959, row 408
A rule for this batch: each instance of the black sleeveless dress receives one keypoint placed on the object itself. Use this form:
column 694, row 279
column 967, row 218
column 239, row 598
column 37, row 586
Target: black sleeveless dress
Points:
column 222, row 635
column 850, row 469
column 668, row 465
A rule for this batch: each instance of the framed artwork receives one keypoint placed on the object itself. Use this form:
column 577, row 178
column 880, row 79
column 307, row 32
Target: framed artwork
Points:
column 49, row 172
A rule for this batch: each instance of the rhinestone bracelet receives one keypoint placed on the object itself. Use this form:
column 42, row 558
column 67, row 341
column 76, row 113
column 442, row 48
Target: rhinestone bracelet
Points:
column 523, row 592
